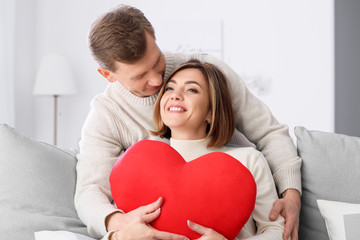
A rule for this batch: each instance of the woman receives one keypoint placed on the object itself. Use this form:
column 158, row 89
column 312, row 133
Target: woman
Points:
column 194, row 110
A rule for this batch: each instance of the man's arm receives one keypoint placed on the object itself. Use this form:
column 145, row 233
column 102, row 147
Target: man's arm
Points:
column 256, row 122
column 99, row 149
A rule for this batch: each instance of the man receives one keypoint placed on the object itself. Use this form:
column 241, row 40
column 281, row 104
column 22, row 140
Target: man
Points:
column 123, row 43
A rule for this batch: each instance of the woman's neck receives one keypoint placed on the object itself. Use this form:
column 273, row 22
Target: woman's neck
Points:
column 187, row 135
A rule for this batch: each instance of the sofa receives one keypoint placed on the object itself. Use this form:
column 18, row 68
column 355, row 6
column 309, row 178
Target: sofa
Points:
column 38, row 184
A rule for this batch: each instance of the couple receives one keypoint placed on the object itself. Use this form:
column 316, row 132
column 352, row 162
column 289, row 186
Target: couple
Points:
column 123, row 43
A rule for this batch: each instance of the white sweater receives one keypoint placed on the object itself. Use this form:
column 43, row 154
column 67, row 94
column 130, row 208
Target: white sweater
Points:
column 118, row 119
column 258, row 227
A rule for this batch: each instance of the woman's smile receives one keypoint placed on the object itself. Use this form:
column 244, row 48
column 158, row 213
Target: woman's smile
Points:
column 176, row 108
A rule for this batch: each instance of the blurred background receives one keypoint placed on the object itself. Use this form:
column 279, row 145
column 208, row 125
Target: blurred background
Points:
column 301, row 57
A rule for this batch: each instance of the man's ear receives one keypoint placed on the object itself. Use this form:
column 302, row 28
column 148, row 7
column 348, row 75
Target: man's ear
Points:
column 106, row 74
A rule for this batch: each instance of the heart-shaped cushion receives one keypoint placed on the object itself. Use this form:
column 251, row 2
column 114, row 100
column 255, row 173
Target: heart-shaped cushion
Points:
column 214, row 190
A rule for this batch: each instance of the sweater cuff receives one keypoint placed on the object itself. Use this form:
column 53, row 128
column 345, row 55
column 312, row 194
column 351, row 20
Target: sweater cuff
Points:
column 107, row 236
column 288, row 178
column 100, row 216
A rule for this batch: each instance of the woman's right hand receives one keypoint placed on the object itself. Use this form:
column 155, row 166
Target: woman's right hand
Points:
column 206, row 233
column 135, row 224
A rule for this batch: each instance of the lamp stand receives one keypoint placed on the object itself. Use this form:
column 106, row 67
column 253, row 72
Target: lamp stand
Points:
column 55, row 117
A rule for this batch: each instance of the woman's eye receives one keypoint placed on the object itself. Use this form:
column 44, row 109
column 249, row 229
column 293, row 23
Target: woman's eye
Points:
column 193, row 90
column 168, row 89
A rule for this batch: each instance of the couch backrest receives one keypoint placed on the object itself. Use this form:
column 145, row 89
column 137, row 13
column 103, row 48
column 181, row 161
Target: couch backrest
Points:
column 37, row 187
column 330, row 171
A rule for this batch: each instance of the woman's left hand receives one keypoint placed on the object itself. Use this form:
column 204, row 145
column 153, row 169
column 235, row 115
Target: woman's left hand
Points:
column 207, row 233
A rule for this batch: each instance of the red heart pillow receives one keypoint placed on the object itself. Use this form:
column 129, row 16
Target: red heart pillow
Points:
column 214, row 190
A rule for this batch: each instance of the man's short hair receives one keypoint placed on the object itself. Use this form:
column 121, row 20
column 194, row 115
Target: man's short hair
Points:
column 119, row 35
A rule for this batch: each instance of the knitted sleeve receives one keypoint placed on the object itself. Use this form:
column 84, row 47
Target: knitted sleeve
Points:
column 265, row 197
column 99, row 149
column 256, row 122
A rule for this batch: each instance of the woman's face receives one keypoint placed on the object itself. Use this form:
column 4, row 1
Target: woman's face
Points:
column 184, row 106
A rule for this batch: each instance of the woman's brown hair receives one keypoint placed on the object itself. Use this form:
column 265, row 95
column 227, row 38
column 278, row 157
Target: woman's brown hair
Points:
column 222, row 124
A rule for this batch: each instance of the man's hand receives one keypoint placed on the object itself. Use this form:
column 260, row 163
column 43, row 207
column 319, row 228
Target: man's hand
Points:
column 207, row 233
column 135, row 224
column 289, row 207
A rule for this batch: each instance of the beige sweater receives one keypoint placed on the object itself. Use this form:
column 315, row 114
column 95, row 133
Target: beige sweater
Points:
column 118, row 119
column 258, row 227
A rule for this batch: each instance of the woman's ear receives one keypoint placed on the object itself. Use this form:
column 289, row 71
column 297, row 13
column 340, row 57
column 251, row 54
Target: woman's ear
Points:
column 209, row 117
column 106, row 74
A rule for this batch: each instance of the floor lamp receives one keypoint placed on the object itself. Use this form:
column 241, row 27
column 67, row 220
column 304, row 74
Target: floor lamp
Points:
column 54, row 78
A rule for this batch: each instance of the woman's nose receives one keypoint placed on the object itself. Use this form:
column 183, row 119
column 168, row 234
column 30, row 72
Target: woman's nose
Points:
column 176, row 95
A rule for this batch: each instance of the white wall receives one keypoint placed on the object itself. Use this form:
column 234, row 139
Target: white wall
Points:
column 7, row 22
column 24, row 55
column 289, row 44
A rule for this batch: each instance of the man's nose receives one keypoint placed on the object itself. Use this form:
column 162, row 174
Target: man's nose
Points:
column 155, row 79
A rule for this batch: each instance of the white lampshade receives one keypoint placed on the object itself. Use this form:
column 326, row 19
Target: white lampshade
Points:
column 54, row 77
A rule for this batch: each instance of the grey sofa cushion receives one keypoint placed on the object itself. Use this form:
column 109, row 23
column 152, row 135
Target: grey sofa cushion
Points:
column 37, row 187
column 330, row 171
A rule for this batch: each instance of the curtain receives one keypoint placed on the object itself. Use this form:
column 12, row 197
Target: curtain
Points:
column 7, row 111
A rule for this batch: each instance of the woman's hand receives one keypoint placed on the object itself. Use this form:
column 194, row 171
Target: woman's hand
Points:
column 207, row 233
column 135, row 224
column 289, row 207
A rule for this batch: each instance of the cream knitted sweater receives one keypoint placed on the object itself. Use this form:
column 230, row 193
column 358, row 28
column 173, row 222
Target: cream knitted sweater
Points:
column 118, row 119
column 258, row 227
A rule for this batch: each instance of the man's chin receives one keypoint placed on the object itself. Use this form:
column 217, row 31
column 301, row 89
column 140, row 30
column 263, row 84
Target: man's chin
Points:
column 153, row 91
column 149, row 92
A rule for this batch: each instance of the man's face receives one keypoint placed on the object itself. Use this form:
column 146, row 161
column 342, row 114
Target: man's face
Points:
column 145, row 77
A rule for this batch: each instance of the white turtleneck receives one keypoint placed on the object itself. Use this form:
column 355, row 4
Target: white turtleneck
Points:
column 258, row 226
